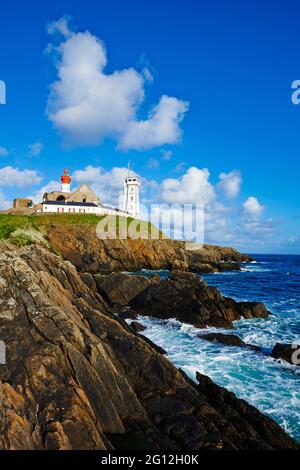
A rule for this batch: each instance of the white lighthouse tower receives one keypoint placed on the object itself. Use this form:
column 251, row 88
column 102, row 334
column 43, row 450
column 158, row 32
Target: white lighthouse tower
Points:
column 132, row 194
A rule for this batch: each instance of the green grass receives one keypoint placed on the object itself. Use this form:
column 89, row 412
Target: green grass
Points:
column 10, row 223
column 21, row 240
column 22, row 229
column 74, row 219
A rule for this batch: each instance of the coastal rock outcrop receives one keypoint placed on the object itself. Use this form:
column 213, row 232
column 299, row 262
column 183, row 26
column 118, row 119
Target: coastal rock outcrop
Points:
column 227, row 340
column 77, row 377
column 137, row 327
column 80, row 245
column 288, row 352
column 237, row 411
column 186, row 297
column 120, row 288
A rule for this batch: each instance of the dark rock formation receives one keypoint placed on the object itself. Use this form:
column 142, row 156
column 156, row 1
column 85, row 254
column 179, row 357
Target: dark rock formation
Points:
column 226, row 339
column 125, row 313
column 227, row 408
column 189, row 299
column 89, row 281
column 77, row 377
column 137, row 327
column 80, row 245
column 119, row 288
column 288, row 352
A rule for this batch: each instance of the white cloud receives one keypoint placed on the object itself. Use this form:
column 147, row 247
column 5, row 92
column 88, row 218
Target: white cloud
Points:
column 61, row 26
column 108, row 185
column 4, row 152
column 230, row 183
column 253, row 208
column 87, row 105
column 223, row 225
column 255, row 232
column 191, row 188
column 10, row 176
column 161, row 127
column 4, row 204
column 90, row 174
column 36, row 148
column 258, row 227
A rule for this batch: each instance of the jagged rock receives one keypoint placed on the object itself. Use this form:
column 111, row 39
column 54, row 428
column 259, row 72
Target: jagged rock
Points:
column 120, row 288
column 189, row 299
column 79, row 244
column 89, row 281
column 229, row 266
column 137, row 327
column 125, row 313
column 288, row 352
column 253, row 310
column 78, row 378
column 213, row 267
column 204, row 268
column 226, row 339
column 244, row 416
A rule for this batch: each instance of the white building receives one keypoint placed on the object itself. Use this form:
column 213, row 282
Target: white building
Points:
column 83, row 200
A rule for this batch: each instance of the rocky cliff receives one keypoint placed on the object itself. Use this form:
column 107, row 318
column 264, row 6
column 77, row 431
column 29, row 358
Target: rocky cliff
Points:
column 184, row 296
column 80, row 245
column 77, row 377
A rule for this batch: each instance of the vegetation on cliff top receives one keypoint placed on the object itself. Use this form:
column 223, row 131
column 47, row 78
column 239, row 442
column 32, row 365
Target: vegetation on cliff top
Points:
column 76, row 238
column 27, row 229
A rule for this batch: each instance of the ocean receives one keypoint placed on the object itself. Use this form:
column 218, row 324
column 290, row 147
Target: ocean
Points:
column 272, row 386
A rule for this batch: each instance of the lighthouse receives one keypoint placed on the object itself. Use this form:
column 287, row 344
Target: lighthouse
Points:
column 66, row 182
column 132, row 195
column 85, row 201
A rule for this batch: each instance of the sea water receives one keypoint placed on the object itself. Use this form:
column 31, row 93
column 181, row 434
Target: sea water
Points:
column 273, row 386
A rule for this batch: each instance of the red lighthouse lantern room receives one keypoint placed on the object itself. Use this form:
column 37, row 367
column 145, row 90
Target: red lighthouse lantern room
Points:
column 66, row 181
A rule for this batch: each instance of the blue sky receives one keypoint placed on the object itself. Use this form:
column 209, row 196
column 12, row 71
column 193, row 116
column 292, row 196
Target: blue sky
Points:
column 227, row 70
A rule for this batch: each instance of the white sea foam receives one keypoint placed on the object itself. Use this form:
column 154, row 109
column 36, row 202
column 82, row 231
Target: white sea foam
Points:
column 270, row 385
